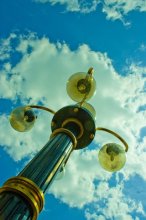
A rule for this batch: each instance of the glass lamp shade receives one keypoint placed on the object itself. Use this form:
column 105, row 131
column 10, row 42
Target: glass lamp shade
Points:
column 112, row 157
column 60, row 173
column 22, row 119
column 90, row 108
column 80, row 86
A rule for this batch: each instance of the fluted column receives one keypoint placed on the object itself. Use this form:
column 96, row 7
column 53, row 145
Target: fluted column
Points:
column 18, row 195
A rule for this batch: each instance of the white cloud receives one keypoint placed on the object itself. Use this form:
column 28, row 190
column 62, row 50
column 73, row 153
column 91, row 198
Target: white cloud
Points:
column 93, row 216
column 41, row 75
column 142, row 47
column 6, row 47
column 117, row 9
column 81, row 171
column 114, row 204
column 82, row 6
column 114, row 9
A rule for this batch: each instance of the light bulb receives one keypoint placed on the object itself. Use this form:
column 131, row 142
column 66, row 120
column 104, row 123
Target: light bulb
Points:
column 81, row 86
column 90, row 108
column 22, row 118
column 112, row 157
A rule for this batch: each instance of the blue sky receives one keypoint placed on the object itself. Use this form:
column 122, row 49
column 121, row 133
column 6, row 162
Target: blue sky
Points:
column 42, row 43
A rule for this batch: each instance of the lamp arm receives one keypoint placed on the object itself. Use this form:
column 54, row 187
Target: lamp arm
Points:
column 115, row 134
column 42, row 108
column 89, row 74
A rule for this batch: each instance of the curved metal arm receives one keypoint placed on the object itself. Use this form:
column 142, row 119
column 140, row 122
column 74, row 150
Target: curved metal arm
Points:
column 89, row 73
column 116, row 135
column 43, row 108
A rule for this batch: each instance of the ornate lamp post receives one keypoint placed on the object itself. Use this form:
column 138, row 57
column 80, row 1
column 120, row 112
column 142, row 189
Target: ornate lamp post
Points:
column 73, row 128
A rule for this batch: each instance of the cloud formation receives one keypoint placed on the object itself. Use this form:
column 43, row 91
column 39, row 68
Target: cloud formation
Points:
column 114, row 9
column 83, row 6
column 39, row 76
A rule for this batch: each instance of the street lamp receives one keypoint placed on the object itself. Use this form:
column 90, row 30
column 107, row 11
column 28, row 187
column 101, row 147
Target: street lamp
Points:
column 73, row 128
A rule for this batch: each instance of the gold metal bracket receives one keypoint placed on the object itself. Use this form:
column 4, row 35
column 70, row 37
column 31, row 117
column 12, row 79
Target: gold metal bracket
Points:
column 77, row 122
column 116, row 135
column 66, row 131
column 42, row 108
column 89, row 74
column 28, row 190
column 90, row 71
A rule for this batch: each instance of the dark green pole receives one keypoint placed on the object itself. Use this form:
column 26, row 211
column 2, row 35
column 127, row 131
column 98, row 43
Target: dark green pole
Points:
column 22, row 197
column 41, row 170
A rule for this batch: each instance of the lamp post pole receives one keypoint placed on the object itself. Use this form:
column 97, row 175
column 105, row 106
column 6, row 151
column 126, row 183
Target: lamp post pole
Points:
column 73, row 128
column 21, row 197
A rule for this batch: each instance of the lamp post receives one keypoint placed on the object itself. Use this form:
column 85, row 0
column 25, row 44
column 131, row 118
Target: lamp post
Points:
column 73, row 128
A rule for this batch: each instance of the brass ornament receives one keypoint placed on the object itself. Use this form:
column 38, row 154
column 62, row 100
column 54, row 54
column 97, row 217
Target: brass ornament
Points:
column 77, row 122
column 27, row 189
column 115, row 134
